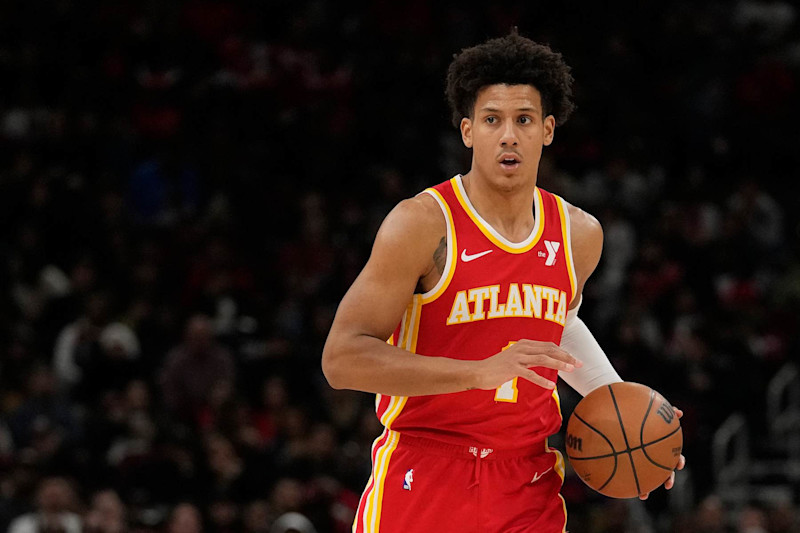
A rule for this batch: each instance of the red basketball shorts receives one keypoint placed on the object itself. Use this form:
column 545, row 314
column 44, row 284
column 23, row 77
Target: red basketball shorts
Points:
column 425, row 486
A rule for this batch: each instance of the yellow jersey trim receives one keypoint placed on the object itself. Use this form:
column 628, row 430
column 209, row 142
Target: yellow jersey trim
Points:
column 405, row 326
column 557, row 399
column 567, row 237
column 452, row 250
column 416, row 313
column 409, row 333
column 374, row 502
column 560, row 470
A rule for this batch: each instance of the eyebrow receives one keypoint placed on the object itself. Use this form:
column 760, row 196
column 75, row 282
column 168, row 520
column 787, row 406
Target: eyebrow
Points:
column 495, row 110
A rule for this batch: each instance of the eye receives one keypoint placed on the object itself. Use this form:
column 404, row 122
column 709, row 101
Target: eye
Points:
column 525, row 119
column 491, row 120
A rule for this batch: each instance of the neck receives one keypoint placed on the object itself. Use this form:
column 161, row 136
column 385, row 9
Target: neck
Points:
column 508, row 210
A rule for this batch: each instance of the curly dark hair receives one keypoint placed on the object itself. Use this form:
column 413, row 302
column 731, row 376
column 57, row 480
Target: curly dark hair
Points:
column 511, row 60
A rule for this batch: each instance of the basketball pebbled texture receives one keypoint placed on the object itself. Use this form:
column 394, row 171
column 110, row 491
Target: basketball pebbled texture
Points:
column 624, row 439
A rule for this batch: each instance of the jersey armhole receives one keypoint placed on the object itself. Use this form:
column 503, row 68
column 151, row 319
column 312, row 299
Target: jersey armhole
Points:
column 567, row 237
column 452, row 249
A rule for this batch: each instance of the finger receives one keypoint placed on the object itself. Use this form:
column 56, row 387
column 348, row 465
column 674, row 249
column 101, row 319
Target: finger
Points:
column 536, row 379
column 547, row 362
column 548, row 349
column 671, row 481
column 556, row 361
column 678, row 412
column 644, row 496
column 681, row 462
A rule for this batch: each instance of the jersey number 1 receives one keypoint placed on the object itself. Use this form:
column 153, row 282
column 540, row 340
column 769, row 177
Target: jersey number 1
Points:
column 507, row 392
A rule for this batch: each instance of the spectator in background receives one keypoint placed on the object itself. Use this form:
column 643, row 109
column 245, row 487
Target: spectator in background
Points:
column 783, row 518
column 287, row 496
column 106, row 514
column 218, row 282
column 709, row 517
column 164, row 190
column 6, row 443
column 44, row 426
column 94, row 354
column 269, row 412
column 227, row 475
column 77, row 340
column 224, row 516
column 194, row 368
column 758, row 214
column 185, row 518
column 256, row 517
column 292, row 523
column 112, row 362
column 752, row 520
column 56, row 504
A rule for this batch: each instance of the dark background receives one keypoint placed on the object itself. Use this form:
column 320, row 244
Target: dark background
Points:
column 231, row 162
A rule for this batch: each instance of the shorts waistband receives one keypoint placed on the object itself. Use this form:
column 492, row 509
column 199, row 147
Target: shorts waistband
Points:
column 467, row 451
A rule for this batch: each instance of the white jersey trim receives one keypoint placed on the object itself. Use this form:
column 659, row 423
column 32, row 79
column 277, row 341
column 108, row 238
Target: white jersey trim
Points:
column 448, row 265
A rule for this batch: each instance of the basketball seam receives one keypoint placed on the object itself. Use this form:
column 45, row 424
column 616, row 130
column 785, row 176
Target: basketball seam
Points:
column 644, row 450
column 625, row 436
column 614, row 454
column 644, row 419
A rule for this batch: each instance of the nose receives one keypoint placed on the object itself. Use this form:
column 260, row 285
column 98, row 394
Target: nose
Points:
column 509, row 135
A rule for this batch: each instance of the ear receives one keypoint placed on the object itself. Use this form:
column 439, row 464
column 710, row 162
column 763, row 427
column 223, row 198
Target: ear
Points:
column 466, row 132
column 549, row 129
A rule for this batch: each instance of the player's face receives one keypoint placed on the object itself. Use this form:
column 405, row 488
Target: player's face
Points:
column 507, row 132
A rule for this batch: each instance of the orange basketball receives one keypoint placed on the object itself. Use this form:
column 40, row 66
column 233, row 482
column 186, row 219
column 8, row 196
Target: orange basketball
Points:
column 624, row 440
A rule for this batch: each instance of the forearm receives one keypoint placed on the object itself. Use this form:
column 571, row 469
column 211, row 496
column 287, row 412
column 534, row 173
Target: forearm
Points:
column 368, row 364
column 596, row 370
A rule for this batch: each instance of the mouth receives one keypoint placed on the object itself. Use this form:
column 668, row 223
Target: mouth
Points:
column 509, row 162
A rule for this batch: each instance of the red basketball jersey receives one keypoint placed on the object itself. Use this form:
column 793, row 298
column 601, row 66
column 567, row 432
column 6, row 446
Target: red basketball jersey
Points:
column 492, row 293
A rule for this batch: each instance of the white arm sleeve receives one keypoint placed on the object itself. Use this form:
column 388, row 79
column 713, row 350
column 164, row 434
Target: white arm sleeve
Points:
column 596, row 370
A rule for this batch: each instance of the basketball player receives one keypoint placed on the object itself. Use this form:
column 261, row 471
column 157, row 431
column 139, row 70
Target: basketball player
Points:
column 476, row 284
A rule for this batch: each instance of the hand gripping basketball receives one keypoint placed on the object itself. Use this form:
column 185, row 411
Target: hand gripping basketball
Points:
column 624, row 440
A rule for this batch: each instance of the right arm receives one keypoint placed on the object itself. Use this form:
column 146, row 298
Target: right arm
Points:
column 356, row 355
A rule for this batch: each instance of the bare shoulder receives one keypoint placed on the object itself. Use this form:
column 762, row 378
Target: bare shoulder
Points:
column 421, row 211
column 403, row 254
column 586, row 235
column 584, row 226
column 413, row 219
column 411, row 235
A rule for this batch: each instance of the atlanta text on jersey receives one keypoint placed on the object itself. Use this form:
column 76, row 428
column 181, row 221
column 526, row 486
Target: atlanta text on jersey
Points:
column 469, row 306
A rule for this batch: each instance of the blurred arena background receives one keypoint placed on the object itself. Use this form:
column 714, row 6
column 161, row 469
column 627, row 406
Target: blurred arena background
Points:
column 188, row 188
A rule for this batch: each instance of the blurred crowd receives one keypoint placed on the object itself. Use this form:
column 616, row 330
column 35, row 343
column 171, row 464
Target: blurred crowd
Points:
column 188, row 188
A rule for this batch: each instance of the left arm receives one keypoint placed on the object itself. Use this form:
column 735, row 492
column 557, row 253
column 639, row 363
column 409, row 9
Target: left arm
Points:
column 586, row 236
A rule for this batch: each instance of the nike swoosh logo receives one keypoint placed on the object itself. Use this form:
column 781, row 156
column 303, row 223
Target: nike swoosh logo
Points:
column 538, row 475
column 471, row 257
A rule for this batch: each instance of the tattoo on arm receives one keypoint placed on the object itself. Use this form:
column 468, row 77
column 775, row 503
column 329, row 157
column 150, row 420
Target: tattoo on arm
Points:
column 439, row 260
column 440, row 255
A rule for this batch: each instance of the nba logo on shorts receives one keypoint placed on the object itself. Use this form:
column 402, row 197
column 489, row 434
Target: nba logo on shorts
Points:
column 408, row 479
